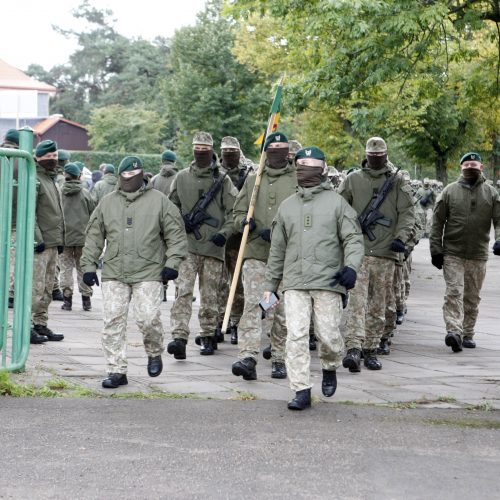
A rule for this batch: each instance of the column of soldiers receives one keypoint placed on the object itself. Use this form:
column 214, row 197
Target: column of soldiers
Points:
column 320, row 240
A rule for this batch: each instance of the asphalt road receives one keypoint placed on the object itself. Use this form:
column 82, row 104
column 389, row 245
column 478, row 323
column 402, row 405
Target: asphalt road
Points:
column 88, row 448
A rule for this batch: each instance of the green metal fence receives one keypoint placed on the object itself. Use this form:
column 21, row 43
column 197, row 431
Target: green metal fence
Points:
column 15, row 328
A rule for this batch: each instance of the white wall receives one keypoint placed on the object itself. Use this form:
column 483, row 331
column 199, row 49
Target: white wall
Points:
column 22, row 103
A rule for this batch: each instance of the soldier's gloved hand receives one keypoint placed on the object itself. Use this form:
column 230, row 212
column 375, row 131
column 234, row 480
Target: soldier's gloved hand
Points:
column 90, row 279
column 218, row 239
column 398, row 246
column 168, row 274
column 251, row 224
column 60, row 250
column 40, row 247
column 437, row 260
column 346, row 278
column 265, row 234
column 496, row 247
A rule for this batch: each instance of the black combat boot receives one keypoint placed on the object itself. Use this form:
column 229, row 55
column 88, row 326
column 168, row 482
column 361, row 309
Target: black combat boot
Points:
column 177, row 347
column 155, row 366
column 234, row 334
column 245, row 368
column 384, row 347
column 207, row 345
column 454, row 341
column 67, row 304
column 352, row 360
column 114, row 380
column 329, row 383
column 197, row 341
column 87, row 305
column 312, row 342
column 278, row 369
column 371, row 361
column 301, row 401
column 266, row 353
column 400, row 317
column 468, row 342
column 57, row 295
column 11, row 302
column 36, row 338
column 47, row 332
column 219, row 336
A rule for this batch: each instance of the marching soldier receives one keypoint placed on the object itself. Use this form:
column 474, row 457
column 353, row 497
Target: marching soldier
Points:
column 459, row 246
column 208, row 230
column 366, row 313
column 316, row 249
column 278, row 182
column 427, row 199
column 145, row 244
column 169, row 169
column 106, row 185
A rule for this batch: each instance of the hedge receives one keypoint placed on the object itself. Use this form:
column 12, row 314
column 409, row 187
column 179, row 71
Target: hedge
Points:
column 93, row 159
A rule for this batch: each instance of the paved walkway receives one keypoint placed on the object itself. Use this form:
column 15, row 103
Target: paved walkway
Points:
column 420, row 367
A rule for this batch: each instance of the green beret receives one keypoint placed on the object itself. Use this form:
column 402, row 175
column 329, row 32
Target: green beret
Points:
column 168, row 155
column 45, row 147
column 275, row 137
column 72, row 169
column 471, row 157
column 12, row 135
column 129, row 163
column 109, row 169
column 310, row 152
column 80, row 165
column 63, row 155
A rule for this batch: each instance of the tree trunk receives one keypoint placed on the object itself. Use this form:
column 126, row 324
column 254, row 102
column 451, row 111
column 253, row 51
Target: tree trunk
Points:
column 441, row 172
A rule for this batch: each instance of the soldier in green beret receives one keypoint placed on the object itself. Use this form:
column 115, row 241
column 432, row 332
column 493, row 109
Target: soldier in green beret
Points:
column 49, row 240
column 163, row 180
column 106, row 185
column 145, row 244
column 459, row 242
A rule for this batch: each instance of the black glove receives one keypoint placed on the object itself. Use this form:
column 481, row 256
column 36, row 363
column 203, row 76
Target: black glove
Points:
column 398, row 246
column 60, row 250
column 218, row 239
column 346, row 277
column 251, row 224
column 265, row 234
column 189, row 227
column 40, row 247
column 90, row 279
column 496, row 247
column 438, row 260
column 168, row 274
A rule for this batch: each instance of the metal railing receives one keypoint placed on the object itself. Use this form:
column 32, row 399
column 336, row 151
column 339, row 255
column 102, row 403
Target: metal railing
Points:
column 15, row 330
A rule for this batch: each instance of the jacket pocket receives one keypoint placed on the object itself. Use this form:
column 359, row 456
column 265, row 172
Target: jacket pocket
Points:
column 110, row 253
column 155, row 254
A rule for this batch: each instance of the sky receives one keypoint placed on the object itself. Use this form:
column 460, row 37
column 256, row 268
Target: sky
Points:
column 26, row 34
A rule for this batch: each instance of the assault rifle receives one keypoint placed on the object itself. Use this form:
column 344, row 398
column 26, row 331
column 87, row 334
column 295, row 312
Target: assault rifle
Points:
column 371, row 214
column 198, row 214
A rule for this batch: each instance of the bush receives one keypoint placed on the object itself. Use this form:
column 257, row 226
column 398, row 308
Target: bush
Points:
column 93, row 159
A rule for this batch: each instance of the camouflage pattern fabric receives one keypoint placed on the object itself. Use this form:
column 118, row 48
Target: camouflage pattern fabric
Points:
column 407, row 277
column 464, row 279
column 366, row 312
column 325, row 308
column 250, row 328
column 44, row 269
column 390, row 307
column 208, row 270
column 57, row 281
column 428, row 220
column 225, row 286
column 147, row 297
column 70, row 259
column 398, row 286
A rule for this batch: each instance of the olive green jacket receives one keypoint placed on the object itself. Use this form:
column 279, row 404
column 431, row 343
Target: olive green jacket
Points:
column 186, row 189
column 103, row 187
column 143, row 231
column 358, row 189
column 49, row 219
column 163, row 180
column 276, row 186
column 462, row 220
column 77, row 208
column 315, row 234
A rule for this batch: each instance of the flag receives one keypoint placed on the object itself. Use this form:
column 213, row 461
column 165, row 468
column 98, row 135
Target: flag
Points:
column 274, row 115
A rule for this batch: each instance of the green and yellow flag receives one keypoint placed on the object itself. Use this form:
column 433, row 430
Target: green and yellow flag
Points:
column 274, row 116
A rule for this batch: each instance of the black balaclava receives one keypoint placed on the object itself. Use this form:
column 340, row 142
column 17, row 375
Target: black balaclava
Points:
column 277, row 157
column 203, row 159
column 230, row 159
column 309, row 176
column 132, row 184
column 376, row 162
column 471, row 175
column 49, row 165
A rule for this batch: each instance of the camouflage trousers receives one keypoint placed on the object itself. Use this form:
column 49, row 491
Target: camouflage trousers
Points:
column 147, row 297
column 325, row 309
column 44, row 269
column 70, row 259
column 407, row 277
column 394, row 301
column 428, row 221
column 208, row 270
column 225, row 285
column 464, row 279
column 367, row 303
column 250, row 327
